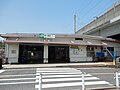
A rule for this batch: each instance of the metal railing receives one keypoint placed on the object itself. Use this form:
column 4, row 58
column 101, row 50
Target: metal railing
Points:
column 39, row 79
column 41, row 76
column 117, row 74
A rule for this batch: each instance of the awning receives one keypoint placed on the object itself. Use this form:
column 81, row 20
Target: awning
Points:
column 60, row 43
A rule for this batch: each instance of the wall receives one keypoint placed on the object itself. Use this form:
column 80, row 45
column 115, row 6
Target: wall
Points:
column 115, row 45
column 108, row 31
column 12, row 53
column 77, row 53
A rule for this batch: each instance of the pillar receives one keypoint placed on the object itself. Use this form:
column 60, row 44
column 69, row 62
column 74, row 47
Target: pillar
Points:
column 45, row 54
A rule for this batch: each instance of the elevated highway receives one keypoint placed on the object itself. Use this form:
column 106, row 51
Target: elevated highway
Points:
column 107, row 25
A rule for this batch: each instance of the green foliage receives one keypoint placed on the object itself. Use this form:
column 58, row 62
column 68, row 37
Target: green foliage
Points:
column 2, row 44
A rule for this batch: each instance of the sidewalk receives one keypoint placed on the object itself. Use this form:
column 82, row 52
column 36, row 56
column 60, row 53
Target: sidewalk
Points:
column 107, row 88
column 74, row 65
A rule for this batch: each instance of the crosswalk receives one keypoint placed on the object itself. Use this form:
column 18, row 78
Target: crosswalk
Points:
column 65, row 77
column 1, row 71
column 52, row 78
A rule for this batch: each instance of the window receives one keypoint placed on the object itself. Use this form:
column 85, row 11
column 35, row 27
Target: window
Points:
column 78, row 38
column 13, row 51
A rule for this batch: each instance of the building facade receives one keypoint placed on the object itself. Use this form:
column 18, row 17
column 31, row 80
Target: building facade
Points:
column 56, row 48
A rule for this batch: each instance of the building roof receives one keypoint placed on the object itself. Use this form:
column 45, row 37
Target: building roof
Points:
column 59, row 43
column 24, row 35
column 10, row 35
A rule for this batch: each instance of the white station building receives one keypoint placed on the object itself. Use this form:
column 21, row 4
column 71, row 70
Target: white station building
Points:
column 56, row 48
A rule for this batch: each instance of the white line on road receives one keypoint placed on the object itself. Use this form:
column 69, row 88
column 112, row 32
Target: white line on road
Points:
column 64, row 73
column 1, row 71
column 68, row 79
column 93, row 68
column 72, row 84
column 14, row 79
column 15, row 83
column 51, row 71
column 3, row 76
column 56, row 76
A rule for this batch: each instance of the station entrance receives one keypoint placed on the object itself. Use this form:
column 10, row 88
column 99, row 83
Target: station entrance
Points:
column 31, row 53
column 58, row 54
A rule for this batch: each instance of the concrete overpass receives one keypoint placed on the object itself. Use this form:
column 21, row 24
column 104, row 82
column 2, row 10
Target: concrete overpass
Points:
column 107, row 25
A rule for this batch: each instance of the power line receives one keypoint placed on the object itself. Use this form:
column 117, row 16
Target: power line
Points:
column 89, row 10
column 86, row 21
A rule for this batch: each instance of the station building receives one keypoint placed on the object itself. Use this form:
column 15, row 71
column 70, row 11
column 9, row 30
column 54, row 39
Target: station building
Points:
column 26, row 48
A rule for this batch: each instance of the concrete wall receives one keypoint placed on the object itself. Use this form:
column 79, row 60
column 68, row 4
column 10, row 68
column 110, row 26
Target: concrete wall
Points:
column 108, row 31
column 115, row 45
column 78, row 53
column 12, row 53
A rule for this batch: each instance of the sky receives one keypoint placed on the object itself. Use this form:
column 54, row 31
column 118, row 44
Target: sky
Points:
column 49, row 16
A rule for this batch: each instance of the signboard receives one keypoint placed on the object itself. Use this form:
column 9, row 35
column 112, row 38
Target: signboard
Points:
column 42, row 35
column 49, row 36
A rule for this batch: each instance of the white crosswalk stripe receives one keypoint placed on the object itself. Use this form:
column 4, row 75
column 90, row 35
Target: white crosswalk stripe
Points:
column 64, row 77
column 1, row 71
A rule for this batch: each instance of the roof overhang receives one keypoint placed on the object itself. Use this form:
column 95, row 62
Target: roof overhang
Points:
column 59, row 43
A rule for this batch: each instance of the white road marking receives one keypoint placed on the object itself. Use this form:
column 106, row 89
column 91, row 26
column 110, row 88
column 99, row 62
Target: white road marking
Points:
column 64, row 73
column 68, row 79
column 51, row 71
column 58, row 76
column 14, row 79
column 1, row 71
column 2, row 76
column 15, row 83
column 56, row 69
column 71, row 84
column 94, row 68
column 65, row 77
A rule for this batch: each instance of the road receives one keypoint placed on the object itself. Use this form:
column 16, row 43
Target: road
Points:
column 59, row 80
column 106, row 74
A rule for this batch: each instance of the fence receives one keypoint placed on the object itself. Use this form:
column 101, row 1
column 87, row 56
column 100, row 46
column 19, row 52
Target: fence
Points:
column 117, row 74
column 39, row 79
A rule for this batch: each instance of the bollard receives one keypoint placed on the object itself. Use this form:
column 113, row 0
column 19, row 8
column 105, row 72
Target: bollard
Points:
column 83, row 82
column 117, row 79
column 40, row 81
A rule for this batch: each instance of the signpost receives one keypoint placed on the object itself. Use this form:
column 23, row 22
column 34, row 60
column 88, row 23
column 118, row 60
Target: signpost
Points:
column 114, row 60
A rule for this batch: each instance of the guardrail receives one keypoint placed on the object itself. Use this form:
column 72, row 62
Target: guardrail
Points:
column 39, row 79
column 117, row 74
column 42, row 81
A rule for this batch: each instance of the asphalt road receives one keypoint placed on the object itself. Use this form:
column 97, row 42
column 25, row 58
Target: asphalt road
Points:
column 106, row 75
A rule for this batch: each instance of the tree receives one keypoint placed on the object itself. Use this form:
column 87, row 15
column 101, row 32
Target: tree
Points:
column 2, row 45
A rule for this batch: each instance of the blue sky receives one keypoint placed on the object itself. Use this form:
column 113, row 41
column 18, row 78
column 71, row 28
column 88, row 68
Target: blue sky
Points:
column 48, row 16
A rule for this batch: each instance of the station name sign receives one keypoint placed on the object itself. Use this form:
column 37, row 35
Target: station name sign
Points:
column 42, row 35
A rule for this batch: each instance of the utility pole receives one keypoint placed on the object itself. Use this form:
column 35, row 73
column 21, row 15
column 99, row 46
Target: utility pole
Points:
column 75, row 23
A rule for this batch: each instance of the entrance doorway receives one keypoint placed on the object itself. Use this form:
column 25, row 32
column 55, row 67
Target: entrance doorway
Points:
column 29, row 53
column 58, row 54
